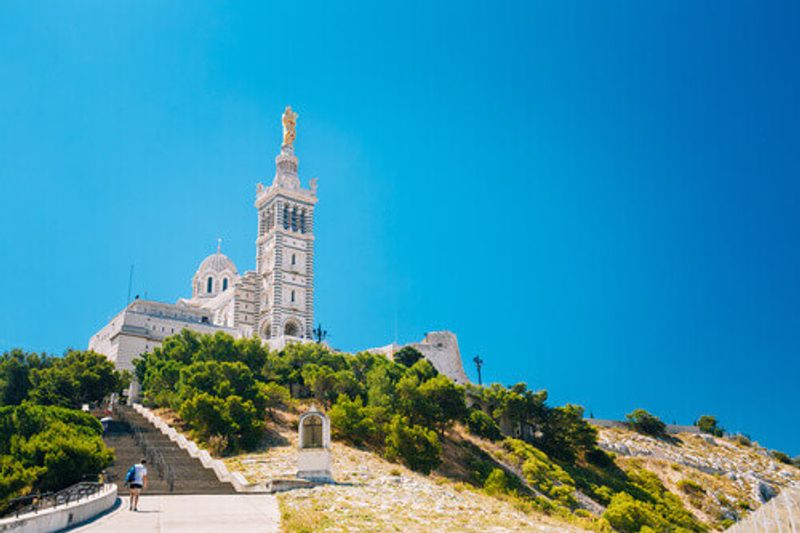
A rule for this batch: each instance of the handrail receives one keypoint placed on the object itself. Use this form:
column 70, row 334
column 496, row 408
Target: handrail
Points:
column 151, row 452
column 45, row 500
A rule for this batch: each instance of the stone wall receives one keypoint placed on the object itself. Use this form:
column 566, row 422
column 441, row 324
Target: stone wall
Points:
column 672, row 429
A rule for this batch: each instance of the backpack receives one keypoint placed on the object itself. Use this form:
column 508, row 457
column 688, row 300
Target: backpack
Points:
column 131, row 475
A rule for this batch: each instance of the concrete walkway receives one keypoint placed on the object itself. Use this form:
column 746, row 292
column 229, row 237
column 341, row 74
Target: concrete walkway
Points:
column 201, row 513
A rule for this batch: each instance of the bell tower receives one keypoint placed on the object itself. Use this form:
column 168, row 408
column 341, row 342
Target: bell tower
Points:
column 285, row 246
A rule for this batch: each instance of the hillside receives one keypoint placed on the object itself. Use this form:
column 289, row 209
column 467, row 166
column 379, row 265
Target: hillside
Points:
column 242, row 402
column 372, row 494
column 718, row 480
column 735, row 478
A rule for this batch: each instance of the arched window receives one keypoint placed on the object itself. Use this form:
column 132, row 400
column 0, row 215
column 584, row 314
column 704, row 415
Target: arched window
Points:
column 294, row 259
column 285, row 216
column 209, row 284
column 292, row 295
column 224, row 284
column 303, row 221
column 294, row 219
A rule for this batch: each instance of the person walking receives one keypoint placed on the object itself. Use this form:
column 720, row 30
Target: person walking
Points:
column 137, row 478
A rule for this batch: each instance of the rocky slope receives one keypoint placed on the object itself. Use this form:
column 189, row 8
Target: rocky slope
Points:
column 720, row 481
column 371, row 494
column 734, row 478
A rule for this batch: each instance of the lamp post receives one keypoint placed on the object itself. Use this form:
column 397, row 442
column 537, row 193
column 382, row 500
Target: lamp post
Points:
column 478, row 364
column 319, row 333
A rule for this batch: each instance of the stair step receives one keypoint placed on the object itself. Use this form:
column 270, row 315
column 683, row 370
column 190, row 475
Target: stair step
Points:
column 191, row 477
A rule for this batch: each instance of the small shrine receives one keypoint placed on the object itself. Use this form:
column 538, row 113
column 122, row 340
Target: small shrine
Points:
column 314, row 457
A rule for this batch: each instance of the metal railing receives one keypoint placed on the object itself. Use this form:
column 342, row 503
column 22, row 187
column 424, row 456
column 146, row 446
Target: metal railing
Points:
column 33, row 503
column 151, row 452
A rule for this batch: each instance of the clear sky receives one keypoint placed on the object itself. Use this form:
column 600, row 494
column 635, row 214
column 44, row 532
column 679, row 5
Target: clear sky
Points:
column 599, row 198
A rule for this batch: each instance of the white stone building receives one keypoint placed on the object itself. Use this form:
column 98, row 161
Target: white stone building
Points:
column 275, row 302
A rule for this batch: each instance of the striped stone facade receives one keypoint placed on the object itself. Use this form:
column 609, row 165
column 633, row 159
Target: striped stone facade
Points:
column 285, row 252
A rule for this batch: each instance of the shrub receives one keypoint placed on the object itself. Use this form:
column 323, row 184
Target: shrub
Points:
column 780, row 456
column 708, row 424
column 417, row 447
column 48, row 448
column 742, row 439
column 217, row 444
column 644, row 422
column 630, row 516
column 687, row 486
column 540, row 471
column 16, row 478
column 599, row 458
column 497, row 482
column 482, row 425
column 67, row 457
column 350, row 420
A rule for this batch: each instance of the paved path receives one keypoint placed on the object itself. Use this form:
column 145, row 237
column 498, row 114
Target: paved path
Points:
column 201, row 513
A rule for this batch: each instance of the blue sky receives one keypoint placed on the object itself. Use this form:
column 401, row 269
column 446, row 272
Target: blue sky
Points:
column 599, row 200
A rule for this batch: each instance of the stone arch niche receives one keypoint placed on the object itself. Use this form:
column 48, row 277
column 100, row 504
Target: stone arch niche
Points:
column 292, row 329
column 314, row 447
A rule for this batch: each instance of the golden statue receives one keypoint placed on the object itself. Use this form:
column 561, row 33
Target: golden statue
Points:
column 289, row 123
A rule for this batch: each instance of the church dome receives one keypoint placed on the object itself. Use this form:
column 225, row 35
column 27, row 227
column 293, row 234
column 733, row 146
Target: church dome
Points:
column 217, row 262
column 216, row 274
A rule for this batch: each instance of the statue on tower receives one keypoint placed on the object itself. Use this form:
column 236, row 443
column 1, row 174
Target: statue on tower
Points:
column 289, row 120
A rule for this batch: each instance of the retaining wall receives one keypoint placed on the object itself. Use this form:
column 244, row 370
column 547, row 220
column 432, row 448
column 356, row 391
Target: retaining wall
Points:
column 63, row 516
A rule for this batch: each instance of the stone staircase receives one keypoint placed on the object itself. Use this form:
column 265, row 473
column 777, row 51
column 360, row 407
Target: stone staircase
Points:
column 171, row 470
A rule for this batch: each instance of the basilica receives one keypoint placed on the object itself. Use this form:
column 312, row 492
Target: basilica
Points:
column 274, row 302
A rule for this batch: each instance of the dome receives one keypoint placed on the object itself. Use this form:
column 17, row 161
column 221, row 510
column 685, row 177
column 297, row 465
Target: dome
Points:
column 216, row 274
column 217, row 263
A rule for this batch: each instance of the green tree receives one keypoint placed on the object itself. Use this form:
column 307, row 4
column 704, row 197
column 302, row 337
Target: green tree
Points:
column 482, row 425
column 708, row 424
column 275, row 396
column 407, row 356
column 443, row 402
column 234, row 418
column 644, row 422
column 322, row 381
column 565, row 434
column 15, row 374
column 80, row 377
column 220, row 379
column 417, row 447
column 351, row 421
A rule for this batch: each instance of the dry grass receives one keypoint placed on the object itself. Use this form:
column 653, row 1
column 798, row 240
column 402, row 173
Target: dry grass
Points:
column 372, row 494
